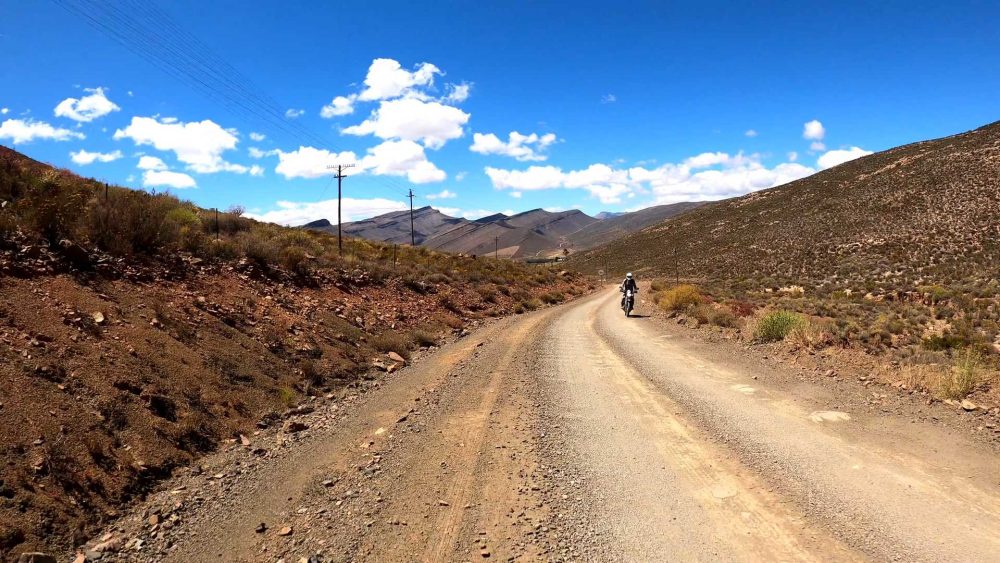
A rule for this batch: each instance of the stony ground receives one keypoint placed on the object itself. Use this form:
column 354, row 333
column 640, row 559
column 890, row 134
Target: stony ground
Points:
column 575, row 434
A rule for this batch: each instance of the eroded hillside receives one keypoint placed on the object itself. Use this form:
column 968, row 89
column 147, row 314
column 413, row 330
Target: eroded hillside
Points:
column 136, row 334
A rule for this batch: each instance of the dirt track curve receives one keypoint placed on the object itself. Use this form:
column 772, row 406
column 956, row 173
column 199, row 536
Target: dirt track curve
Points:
column 573, row 433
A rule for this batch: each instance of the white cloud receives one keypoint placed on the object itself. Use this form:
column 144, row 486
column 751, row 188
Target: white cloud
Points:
column 258, row 137
column 817, row 146
column 159, row 178
column 609, row 99
column 793, row 156
column 833, row 158
column 310, row 162
column 813, row 130
column 391, row 158
column 27, row 130
column 86, row 108
column 706, row 159
column 443, row 194
column 707, row 176
column 257, row 153
column 292, row 113
column 341, row 105
column 83, row 157
column 4, row 111
column 198, row 144
column 147, row 162
column 410, row 119
column 518, row 146
column 457, row 93
column 256, row 170
column 516, row 195
column 751, row 133
column 299, row 213
column 387, row 79
column 533, row 178
column 461, row 176
column 402, row 158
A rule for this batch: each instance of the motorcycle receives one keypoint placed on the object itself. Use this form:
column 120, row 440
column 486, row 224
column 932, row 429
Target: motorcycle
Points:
column 629, row 303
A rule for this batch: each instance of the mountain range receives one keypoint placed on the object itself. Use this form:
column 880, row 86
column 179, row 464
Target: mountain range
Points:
column 535, row 233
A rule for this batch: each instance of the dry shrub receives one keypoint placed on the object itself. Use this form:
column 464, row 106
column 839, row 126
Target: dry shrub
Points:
column 423, row 338
column 392, row 342
column 811, row 334
column 967, row 374
column 679, row 298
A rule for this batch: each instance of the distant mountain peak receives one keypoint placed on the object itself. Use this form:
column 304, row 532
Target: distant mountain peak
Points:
column 317, row 224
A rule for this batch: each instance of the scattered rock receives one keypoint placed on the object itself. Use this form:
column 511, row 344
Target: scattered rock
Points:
column 36, row 557
column 98, row 317
column 293, row 426
column 261, row 528
column 969, row 405
column 396, row 358
column 286, row 531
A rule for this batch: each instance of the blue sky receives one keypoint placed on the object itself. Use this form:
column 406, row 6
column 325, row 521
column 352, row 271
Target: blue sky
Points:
column 484, row 107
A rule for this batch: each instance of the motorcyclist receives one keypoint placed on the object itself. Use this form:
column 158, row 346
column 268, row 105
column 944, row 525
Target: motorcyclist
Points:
column 627, row 284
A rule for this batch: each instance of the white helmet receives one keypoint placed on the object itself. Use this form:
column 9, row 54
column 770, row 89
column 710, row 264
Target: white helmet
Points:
column 629, row 275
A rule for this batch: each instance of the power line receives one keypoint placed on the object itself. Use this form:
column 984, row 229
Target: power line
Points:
column 154, row 36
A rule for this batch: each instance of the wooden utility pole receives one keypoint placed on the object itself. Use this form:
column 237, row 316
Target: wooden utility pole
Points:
column 496, row 250
column 413, row 240
column 340, row 177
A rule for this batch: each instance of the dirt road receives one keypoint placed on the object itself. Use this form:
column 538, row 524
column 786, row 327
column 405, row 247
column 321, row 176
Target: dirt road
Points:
column 576, row 434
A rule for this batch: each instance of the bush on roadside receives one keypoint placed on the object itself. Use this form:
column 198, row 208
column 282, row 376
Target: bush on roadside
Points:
column 392, row 342
column 965, row 376
column 775, row 326
column 679, row 298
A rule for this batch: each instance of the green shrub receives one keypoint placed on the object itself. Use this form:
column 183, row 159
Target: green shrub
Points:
column 775, row 326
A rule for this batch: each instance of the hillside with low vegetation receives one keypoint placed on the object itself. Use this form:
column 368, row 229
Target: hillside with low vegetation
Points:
column 896, row 255
column 138, row 332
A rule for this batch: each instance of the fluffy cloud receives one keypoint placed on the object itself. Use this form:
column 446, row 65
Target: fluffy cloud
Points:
column 147, row 162
column 298, row 213
column 609, row 99
column 391, row 158
column 793, row 156
column 751, row 133
column 387, row 79
column 708, row 176
column 457, row 93
column 310, row 162
column 292, row 113
column 402, row 158
column 521, row 147
column 443, row 194
column 198, row 144
column 27, row 130
column 341, row 105
column 410, row 119
column 258, row 137
column 161, row 178
column 84, row 158
column 813, row 130
column 832, row 158
column 4, row 111
column 86, row 108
